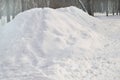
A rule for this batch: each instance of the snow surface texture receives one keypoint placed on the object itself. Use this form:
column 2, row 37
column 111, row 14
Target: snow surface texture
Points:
column 58, row 44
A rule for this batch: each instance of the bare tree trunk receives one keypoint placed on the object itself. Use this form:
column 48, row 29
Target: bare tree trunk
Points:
column 0, row 15
column 89, row 7
column 106, row 7
column 81, row 3
column 8, row 10
column 92, row 7
column 23, row 5
column 0, row 9
column 113, row 10
column 119, row 7
column 13, row 9
column 39, row 3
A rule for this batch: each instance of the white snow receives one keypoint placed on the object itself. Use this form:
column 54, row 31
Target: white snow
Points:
column 58, row 44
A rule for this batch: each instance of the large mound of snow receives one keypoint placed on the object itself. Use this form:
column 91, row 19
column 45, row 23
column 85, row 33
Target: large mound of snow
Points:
column 56, row 44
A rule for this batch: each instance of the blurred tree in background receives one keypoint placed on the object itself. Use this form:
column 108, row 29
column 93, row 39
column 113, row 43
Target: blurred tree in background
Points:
column 11, row 8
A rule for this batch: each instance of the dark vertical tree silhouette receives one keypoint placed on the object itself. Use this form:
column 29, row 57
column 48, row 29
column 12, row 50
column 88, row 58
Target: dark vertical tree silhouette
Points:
column 113, row 9
column 8, row 10
column 90, row 7
column 107, row 7
column 119, row 7
column 0, row 9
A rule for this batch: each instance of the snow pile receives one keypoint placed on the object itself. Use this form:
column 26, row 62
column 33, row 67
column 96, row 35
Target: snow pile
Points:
column 55, row 44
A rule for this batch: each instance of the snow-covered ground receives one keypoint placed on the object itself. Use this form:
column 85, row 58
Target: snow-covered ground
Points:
column 59, row 44
column 112, row 20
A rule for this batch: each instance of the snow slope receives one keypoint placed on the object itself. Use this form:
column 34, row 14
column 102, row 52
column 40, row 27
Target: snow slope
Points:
column 58, row 44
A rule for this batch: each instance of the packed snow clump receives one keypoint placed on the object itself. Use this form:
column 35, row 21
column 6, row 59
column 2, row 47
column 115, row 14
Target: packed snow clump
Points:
column 56, row 44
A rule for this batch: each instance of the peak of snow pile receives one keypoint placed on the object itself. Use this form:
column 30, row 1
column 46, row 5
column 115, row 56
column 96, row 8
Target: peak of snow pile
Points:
column 54, row 44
